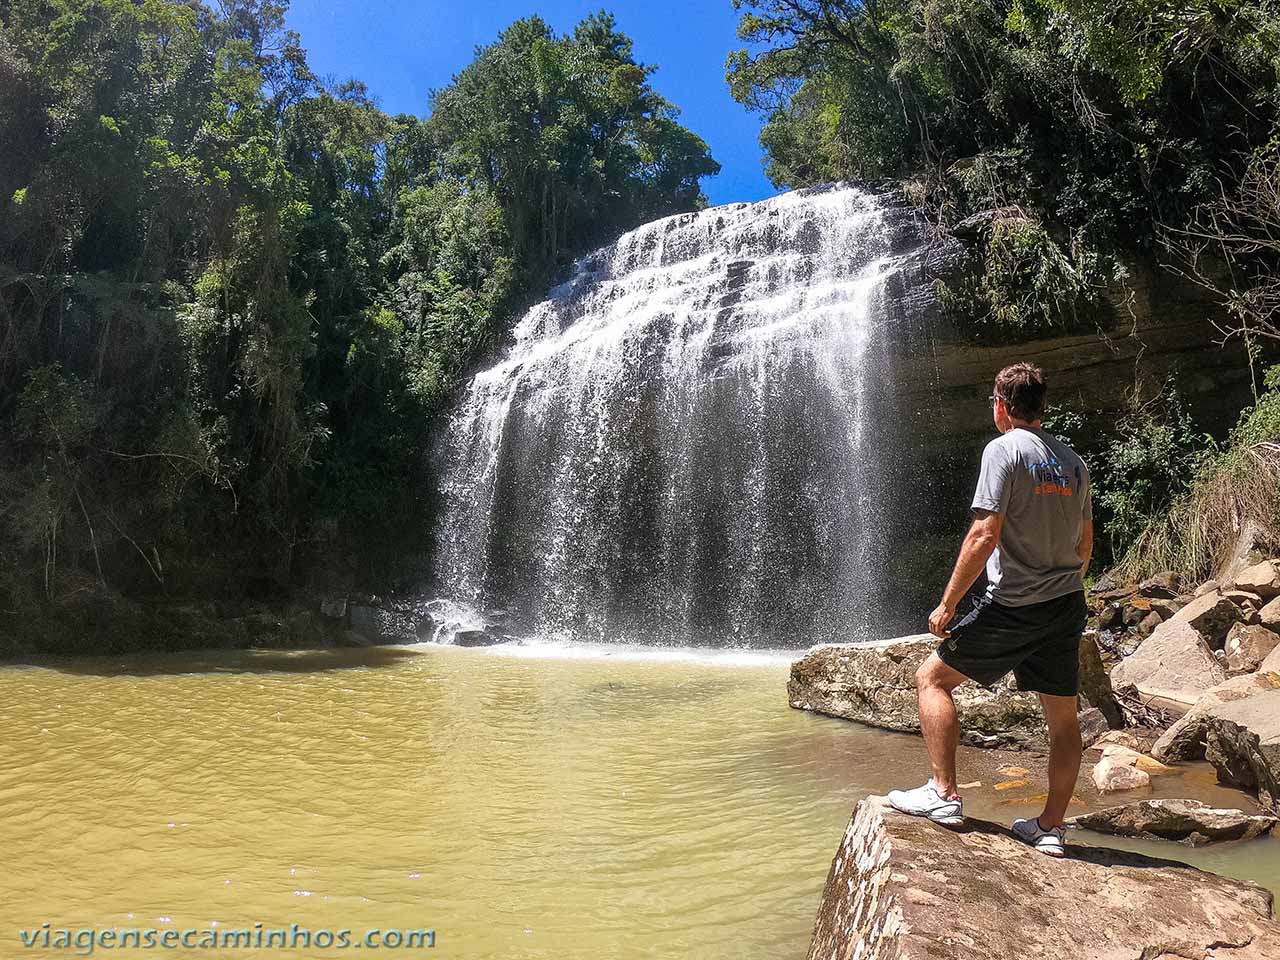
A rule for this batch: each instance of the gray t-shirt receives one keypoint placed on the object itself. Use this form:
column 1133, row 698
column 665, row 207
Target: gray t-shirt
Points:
column 1042, row 488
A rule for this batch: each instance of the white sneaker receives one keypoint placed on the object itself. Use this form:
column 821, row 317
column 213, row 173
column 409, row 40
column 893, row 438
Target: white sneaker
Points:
column 1052, row 842
column 926, row 801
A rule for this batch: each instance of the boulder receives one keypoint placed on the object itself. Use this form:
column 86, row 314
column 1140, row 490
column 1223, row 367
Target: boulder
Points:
column 1247, row 646
column 1262, row 579
column 1188, row 820
column 1093, row 726
column 1185, row 740
column 1112, row 774
column 1136, row 758
column 1165, row 609
column 1209, row 586
column 1242, row 741
column 1269, row 615
column 477, row 638
column 874, row 683
column 1248, row 549
column 1246, row 600
column 1212, row 614
column 1174, row 664
column 382, row 625
column 1095, row 682
column 1106, row 590
column 902, row 888
column 333, row 609
column 1112, row 616
column 1135, row 611
column 1138, row 739
column 1160, row 586
column 1149, row 623
column 1270, row 663
column 350, row 638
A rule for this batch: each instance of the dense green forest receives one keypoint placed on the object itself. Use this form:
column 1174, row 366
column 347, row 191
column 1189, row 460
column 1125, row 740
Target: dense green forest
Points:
column 234, row 298
column 1066, row 141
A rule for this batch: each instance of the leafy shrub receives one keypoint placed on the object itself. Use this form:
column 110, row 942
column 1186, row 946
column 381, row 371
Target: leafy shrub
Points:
column 1140, row 463
column 1233, row 486
column 1020, row 284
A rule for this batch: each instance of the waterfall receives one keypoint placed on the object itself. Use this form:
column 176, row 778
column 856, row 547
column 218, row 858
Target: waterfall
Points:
column 695, row 438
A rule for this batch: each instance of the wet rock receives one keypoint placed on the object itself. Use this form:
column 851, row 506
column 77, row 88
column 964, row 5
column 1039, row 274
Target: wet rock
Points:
column 1185, row 740
column 428, row 627
column 1242, row 741
column 1174, row 664
column 1212, row 614
column 350, row 638
column 874, row 683
column 1161, row 586
column 333, row 609
column 477, row 638
column 1187, row 820
column 1262, row 579
column 901, row 888
column 1247, row 646
column 1113, row 774
column 382, row 625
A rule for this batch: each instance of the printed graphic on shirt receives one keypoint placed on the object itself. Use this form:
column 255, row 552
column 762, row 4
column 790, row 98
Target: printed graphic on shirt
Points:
column 1052, row 480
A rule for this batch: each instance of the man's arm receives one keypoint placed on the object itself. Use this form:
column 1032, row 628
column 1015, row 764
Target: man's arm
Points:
column 1084, row 549
column 979, row 542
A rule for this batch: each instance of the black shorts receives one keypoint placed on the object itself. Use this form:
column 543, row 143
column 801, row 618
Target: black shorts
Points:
column 1039, row 642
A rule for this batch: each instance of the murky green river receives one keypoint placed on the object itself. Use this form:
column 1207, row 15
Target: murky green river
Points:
column 574, row 805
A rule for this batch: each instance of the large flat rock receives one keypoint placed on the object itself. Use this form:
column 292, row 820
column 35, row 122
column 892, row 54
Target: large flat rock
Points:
column 1242, row 741
column 1174, row 665
column 1176, row 819
column 874, row 683
column 902, row 888
column 1185, row 740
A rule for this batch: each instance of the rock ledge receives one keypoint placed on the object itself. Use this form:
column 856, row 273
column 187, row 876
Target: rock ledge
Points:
column 902, row 888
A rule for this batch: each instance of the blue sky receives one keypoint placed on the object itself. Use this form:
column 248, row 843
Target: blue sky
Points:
column 401, row 49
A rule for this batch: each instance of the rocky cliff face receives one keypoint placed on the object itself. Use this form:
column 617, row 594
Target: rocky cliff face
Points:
column 752, row 426
column 902, row 888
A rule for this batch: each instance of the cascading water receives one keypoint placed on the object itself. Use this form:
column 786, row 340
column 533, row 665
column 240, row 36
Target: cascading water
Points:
column 695, row 438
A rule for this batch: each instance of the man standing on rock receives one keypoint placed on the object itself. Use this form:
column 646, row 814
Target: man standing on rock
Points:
column 1033, row 531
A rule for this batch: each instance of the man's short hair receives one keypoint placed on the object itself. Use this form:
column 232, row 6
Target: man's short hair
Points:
column 1022, row 388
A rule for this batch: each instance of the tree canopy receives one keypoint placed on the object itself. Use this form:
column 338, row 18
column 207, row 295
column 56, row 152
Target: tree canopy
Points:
column 234, row 297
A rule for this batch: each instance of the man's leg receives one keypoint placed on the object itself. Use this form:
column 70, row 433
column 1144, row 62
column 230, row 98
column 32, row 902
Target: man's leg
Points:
column 938, row 722
column 1065, row 748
